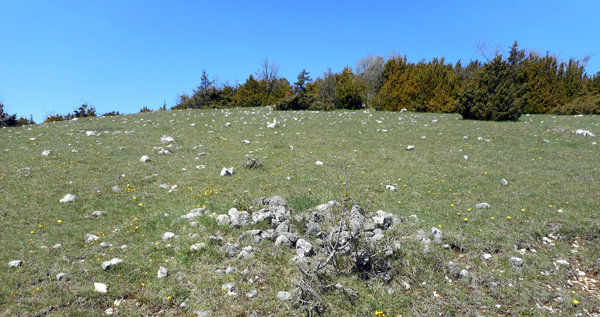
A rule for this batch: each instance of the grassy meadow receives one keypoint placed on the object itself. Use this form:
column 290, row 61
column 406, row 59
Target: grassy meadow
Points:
column 549, row 211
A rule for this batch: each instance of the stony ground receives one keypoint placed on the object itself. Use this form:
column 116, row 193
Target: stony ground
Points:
column 256, row 212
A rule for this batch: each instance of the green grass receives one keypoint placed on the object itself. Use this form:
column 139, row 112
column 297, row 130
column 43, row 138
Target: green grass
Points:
column 434, row 183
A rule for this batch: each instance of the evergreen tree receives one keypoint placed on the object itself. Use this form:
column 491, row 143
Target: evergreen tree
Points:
column 7, row 120
column 303, row 80
column 517, row 56
column 494, row 93
column 250, row 94
column 347, row 90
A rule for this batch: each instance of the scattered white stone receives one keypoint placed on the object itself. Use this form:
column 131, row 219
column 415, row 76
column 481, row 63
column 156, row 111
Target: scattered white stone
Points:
column 168, row 235
column 223, row 220
column 57, row 246
column 391, row 187
column 227, row 171
column 116, row 189
column 90, row 133
column 91, row 238
column 15, row 263
column 560, row 210
column 246, row 141
column 247, row 252
column 197, row 247
column 110, row 311
column 584, row 133
column 304, row 248
column 100, row 287
column 68, row 198
column 562, row 262
column 200, row 167
column 97, row 213
column 162, row 272
column 251, row 293
column 383, row 219
column 228, row 124
column 108, row 264
column 46, row 153
column 504, row 182
column 167, row 139
column 144, row 158
column 229, row 288
column 284, row 296
column 60, row 276
column 436, row 234
column 238, row 218
column 319, row 163
column 483, row 205
column 487, row 256
column 194, row 213
column 466, row 157
column 516, row 262
column 546, row 240
column 410, row 147
column 104, row 244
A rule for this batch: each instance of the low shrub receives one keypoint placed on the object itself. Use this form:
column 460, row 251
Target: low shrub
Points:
column 494, row 94
column 112, row 113
column 54, row 118
column 586, row 104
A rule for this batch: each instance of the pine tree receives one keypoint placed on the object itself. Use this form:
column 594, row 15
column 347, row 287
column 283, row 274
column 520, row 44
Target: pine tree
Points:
column 494, row 93
column 7, row 120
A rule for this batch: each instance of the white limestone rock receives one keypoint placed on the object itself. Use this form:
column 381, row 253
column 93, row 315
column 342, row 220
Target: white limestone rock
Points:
column 100, row 287
column 584, row 133
column 167, row 139
column 226, row 171
column 68, row 198
column 108, row 264
column 168, row 235
column 90, row 238
column 162, row 272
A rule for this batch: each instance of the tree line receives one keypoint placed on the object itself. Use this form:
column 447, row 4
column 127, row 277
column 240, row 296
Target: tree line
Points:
column 500, row 88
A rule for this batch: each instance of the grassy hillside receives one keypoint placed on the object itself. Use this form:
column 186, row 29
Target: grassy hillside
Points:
column 549, row 211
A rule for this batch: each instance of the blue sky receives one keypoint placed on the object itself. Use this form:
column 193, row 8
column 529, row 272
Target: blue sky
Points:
column 124, row 55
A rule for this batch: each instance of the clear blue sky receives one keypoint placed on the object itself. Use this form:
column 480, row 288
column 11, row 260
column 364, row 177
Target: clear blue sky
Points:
column 124, row 55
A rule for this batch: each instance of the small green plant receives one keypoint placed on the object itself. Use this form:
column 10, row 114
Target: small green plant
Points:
column 244, row 202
